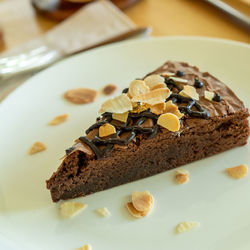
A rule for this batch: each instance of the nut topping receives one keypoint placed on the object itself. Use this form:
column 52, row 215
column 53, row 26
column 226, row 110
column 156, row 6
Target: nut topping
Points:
column 189, row 91
column 169, row 121
column 142, row 201
column 209, row 95
column 37, row 147
column 158, row 108
column 106, row 130
column 187, row 225
column 85, row 247
column 104, row 212
column 153, row 97
column 153, row 80
column 137, row 87
column 181, row 176
column 119, row 104
column 141, row 205
column 59, row 119
column 120, row 117
column 81, row 95
column 238, row 171
column 172, row 108
column 179, row 80
column 70, row 208
column 159, row 86
column 109, row 89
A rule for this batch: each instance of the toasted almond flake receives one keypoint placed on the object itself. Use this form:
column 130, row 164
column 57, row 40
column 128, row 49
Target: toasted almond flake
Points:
column 167, row 74
column 81, row 95
column 59, row 119
column 142, row 201
column 158, row 108
column 187, row 225
column 135, row 213
column 238, row 171
column 182, row 171
column 138, row 108
column 159, row 86
column 85, row 247
column 71, row 208
column 153, row 97
column 118, row 105
column 106, row 130
column 181, row 178
column 104, row 212
column 172, row 108
column 189, row 91
column 177, row 79
column 209, row 95
column 137, row 87
column 109, row 89
column 120, row 117
column 169, row 121
column 153, row 80
column 37, row 147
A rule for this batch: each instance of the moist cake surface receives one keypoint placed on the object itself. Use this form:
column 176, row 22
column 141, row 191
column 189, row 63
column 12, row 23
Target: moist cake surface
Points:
column 140, row 145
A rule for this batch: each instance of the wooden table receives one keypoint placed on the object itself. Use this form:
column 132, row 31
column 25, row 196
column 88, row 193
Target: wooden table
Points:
column 183, row 17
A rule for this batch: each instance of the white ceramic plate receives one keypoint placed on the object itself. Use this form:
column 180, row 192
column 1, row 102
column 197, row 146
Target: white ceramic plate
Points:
column 29, row 219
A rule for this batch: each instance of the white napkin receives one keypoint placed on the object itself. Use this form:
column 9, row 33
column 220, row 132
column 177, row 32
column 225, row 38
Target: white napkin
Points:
column 94, row 23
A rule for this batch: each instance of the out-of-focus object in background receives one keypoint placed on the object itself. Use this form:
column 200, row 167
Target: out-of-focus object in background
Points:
column 61, row 9
column 98, row 23
column 1, row 40
column 235, row 15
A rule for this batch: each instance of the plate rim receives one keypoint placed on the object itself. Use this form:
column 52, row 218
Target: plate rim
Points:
column 124, row 43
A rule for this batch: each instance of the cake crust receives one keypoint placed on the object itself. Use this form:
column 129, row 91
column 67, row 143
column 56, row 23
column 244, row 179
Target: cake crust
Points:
column 82, row 172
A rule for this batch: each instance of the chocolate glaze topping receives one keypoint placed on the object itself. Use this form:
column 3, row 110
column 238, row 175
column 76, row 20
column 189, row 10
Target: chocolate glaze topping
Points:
column 133, row 125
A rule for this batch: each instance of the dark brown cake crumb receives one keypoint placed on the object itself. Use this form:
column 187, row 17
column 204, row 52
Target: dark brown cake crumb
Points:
column 109, row 89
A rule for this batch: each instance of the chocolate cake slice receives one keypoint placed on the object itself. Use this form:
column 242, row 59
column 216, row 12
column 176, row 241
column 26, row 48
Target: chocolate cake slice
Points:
column 173, row 116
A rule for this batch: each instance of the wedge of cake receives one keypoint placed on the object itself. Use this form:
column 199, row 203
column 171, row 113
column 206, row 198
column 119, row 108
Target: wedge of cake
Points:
column 173, row 116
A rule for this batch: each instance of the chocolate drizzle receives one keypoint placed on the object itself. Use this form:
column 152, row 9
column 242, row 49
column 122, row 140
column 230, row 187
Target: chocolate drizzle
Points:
column 134, row 124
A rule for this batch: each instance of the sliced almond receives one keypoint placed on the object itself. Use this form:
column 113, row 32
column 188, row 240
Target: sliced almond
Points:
column 120, row 117
column 59, row 119
column 181, row 178
column 238, row 171
column 177, row 79
column 81, row 95
column 189, row 91
column 159, row 86
column 153, row 80
column 142, row 201
column 104, row 212
column 106, row 130
column 135, row 213
column 85, row 247
column 37, row 147
column 109, row 89
column 153, row 97
column 137, row 87
column 187, row 225
column 158, row 108
column 169, row 121
column 70, row 208
column 182, row 171
column 118, row 105
column 138, row 108
column 172, row 108
column 209, row 95
column 167, row 74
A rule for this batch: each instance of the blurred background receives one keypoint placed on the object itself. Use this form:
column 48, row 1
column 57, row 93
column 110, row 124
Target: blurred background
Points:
column 22, row 20
column 40, row 32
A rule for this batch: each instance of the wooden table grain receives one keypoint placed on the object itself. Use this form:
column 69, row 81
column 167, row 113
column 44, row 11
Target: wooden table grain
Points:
column 183, row 17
